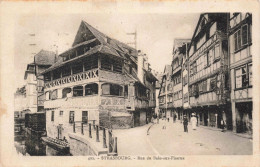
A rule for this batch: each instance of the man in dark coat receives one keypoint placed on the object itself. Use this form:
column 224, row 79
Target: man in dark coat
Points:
column 185, row 123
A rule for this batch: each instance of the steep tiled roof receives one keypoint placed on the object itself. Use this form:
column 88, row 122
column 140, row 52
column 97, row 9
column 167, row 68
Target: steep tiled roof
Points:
column 108, row 45
column 44, row 57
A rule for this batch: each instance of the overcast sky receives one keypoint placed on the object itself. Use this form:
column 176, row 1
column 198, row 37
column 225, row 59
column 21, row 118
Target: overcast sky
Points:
column 155, row 34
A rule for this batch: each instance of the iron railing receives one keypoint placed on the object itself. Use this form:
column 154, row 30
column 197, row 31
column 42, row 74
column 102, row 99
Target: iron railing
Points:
column 99, row 132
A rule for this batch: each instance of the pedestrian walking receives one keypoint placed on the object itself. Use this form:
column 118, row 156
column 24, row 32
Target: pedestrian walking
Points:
column 164, row 122
column 193, row 121
column 223, row 124
column 185, row 123
column 174, row 117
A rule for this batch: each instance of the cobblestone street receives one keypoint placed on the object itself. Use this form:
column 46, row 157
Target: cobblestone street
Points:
column 173, row 141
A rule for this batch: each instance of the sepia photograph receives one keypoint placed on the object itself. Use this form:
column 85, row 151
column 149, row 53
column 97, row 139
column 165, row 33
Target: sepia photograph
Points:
column 133, row 86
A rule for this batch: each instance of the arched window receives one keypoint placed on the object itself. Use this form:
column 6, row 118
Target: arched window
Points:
column 77, row 91
column 66, row 92
column 112, row 89
column 91, row 89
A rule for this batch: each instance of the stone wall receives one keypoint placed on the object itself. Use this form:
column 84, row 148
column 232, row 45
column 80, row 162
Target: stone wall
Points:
column 121, row 122
column 82, row 146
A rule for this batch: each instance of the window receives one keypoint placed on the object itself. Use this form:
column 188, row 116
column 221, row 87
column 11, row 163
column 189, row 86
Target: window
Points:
column 250, row 74
column 112, row 89
column 207, row 59
column 85, row 116
column 65, row 58
column 61, row 113
column 52, row 115
column 217, row 53
column 66, row 92
column 56, row 74
column 77, row 91
column 243, row 76
column 91, row 89
column 77, row 68
column 80, row 51
column 106, row 89
column 90, row 63
column 111, row 65
column 54, row 94
column 241, row 37
column 47, row 76
column 106, row 64
column 126, row 91
column 148, row 93
column 116, row 90
column 204, row 87
column 72, row 54
column 47, row 95
column 244, row 34
column 117, row 67
column 169, row 87
column 71, row 118
column 66, row 71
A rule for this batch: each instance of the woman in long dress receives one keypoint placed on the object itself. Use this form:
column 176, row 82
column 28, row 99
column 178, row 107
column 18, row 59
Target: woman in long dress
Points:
column 193, row 121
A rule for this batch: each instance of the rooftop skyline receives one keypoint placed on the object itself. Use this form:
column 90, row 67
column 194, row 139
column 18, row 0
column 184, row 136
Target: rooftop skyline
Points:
column 155, row 34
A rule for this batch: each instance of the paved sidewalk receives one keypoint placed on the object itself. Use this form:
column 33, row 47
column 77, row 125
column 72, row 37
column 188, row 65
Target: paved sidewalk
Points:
column 134, row 141
column 202, row 141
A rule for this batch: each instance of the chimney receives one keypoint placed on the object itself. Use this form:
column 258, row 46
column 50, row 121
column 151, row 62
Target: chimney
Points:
column 140, row 64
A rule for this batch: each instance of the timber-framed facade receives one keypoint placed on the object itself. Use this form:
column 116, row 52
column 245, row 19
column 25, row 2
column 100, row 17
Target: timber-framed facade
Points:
column 99, row 79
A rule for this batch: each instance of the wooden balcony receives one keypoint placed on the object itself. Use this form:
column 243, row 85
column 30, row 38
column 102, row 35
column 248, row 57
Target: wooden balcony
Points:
column 86, row 75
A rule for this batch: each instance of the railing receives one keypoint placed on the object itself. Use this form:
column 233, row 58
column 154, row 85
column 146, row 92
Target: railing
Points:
column 100, row 132
column 73, row 78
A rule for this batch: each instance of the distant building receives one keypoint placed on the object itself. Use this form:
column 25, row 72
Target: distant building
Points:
column 33, row 89
column 166, row 93
column 99, row 79
column 240, row 42
column 158, row 75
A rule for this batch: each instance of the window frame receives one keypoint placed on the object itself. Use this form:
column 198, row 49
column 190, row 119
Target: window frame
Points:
column 52, row 116
column 83, row 116
column 236, row 77
column 91, row 89
column 72, row 115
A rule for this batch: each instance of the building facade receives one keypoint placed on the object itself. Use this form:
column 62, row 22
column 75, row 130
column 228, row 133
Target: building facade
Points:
column 240, row 42
column 180, row 76
column 34, row 83
column 166, row 93
column 99, row 79
column 208, row 71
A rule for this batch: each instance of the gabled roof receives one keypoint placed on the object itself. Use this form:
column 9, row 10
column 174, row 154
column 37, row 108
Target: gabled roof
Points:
column 117, row 48
column 196, row 29
column 86, row 34
column 44, row 57
column 179, row 43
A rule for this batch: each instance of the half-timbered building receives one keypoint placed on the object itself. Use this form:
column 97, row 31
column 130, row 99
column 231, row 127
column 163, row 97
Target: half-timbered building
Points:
column 98, row 79
column 240, row 42
column 208, row 70
column 166, row 93
column 179, row 77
